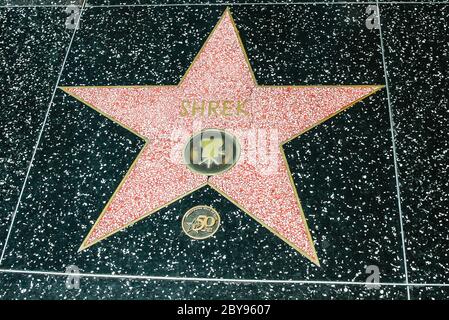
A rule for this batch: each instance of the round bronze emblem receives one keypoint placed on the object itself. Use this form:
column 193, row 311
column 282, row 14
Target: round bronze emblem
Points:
column 211, row 152
column 201, row 222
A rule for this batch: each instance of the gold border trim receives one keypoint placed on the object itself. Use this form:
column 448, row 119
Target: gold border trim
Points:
column 227, row 11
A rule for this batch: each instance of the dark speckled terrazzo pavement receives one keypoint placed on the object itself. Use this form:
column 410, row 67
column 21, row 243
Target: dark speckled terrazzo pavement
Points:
column 346, row 170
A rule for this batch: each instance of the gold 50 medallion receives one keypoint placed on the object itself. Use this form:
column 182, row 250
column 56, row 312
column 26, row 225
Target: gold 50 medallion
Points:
column 201, row 222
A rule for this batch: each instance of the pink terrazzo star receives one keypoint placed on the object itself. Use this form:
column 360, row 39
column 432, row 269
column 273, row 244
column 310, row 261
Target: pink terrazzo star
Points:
column 221, row 72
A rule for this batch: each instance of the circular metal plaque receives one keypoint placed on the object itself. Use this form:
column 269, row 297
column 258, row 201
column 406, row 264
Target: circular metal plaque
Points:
column 201, row 222
column 211, row 152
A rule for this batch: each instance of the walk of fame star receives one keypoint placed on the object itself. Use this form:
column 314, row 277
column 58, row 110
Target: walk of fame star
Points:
column 219, row 91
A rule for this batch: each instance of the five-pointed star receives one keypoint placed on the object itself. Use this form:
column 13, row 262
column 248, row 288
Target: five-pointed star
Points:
column 260, row 183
